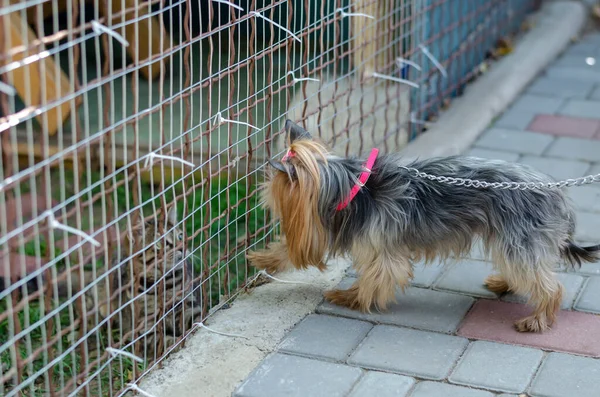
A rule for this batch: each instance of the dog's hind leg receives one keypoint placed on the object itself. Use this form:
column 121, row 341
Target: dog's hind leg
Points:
column 496, row 283
column 379, row 275
column 545, row 293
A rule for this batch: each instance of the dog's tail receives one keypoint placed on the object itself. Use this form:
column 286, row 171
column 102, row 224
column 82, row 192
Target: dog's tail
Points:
column 575, row 254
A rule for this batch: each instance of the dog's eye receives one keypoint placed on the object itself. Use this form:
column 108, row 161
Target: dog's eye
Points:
column 180, row 236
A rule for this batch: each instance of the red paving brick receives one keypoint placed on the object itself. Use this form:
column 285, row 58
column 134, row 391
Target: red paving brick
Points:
column 573, row 332
column 565, row 126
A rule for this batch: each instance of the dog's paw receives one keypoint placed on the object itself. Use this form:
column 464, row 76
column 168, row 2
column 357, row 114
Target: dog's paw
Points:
column 264, row 260
column 344, row 297
column 532, row 324
column 496, row 283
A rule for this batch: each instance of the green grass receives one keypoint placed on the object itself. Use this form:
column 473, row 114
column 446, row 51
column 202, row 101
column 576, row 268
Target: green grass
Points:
column 225, row 218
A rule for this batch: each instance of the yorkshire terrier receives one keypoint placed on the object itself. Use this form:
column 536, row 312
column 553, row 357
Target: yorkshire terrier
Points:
column 387, row 217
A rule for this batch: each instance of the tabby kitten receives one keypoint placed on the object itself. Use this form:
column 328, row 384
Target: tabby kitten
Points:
column 134, row 306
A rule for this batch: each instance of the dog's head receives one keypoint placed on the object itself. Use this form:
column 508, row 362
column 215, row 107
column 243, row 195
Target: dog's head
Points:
column 292, row 193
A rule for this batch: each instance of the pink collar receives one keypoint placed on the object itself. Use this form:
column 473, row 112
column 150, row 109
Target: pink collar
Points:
column 364, row 176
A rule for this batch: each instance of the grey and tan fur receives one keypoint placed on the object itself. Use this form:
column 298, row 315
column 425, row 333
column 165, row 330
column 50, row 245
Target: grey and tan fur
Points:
column 109, row 295
column 398, row 219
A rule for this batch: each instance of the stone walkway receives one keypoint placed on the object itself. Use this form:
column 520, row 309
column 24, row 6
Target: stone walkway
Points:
column 448, row 335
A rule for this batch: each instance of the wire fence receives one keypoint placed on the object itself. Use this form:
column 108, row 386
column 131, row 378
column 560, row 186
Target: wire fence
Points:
column 134, row 136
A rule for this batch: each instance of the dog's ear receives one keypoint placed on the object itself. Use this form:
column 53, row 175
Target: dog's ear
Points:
column 296, row 132
column 279, row 166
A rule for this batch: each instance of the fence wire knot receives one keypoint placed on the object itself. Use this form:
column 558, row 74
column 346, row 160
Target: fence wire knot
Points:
column 229, row 3
column 396, row 79
column 297, row 80
column 54, row 224
column 353, row 14
column 98, row 28
column 433, row 60
column 219, row 119
column 258, row 14
column 151, row 156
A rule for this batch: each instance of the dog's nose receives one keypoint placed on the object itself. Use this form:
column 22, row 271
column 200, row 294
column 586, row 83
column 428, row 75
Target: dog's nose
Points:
column 277, row 165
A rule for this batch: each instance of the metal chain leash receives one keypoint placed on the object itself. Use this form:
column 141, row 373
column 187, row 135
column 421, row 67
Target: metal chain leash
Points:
column 505, row 185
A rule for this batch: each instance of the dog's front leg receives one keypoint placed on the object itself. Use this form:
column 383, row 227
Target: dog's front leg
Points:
column 273, row 259
column 377, row 282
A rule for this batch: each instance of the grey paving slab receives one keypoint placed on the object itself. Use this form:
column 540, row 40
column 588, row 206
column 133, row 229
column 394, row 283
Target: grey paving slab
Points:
column 494, row 154
column 285, row 375
column 565, row 375
column 425, row 275
column 380, row 384
column 571, row 282
column 575, row 149
column 496, row 366
column 524, row 142
column 584, row 47
column 589, row 299
column 586, row 198
column 558, row 169
column 595, row 94
column 538, row 103
column 574, row 73
column 560, row 88
column 581, row 108
column 437, row 389
column 515, row 118
column 589, row 269
column 409, row 352
column 417, row 308
column 467, row 277
column 587, row 226
column 477, row 251
column 577, row 60
column 595, row 169
column 325, row 337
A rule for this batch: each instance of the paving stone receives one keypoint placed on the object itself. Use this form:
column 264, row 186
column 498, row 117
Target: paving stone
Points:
column 322, row 336
column 572, row 332
column 586, row 198
column 425, row 275
column 581, row 108
column 574, row 148
column 417, row 308
column 573, row 73
column 594, row 170
column 583, row 47
column 589, row 299
column 515, row 141
column 494, row 154
column 577, row 60
column 538, row 103
column 571, row 282
column 565, row 375
column 379, row 384
column 587, row 226
column 595, row 95
column 477, row 251
column 285, row 375
column 497, row 366
column 437, row 389
column 410, row 352
column 560, row 88
column 565, row 126
column 467, row 277
column 558, row 169
column 515, row 118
